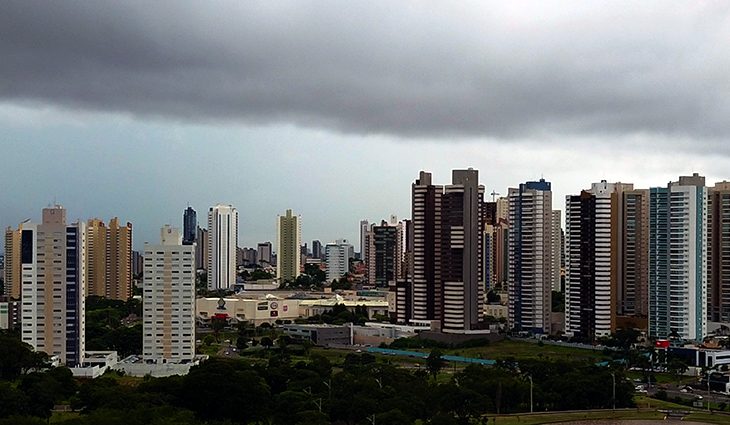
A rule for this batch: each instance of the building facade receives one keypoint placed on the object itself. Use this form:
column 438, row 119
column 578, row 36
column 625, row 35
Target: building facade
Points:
column 12, row 267
column 632, row 287
column 264, row 254
column 190, row 226
column 169, row 299
column 678, row 259
column 384, row 253
column 222, row 243
column 718, row 253
column 595, row 254
column 317, row 251
column 364, row 229
column 109, row 259
column 426, row 281
column 9, row 315
column 337, row 257
column 288, row 243
column 53, row 264
column 530, row 257
column 556, row 239
column 462, row 224
column 201, row 249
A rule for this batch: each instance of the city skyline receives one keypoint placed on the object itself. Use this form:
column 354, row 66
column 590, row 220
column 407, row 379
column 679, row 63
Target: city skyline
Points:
column 290, row 105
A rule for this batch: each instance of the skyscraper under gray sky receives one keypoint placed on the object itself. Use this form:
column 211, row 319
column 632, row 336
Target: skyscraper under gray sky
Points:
column 288, row 241
column 530, row 247
column 190, row 226
column 222, row 244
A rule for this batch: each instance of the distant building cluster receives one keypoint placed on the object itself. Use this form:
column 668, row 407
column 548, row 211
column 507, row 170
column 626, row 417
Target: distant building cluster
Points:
column 655, row 259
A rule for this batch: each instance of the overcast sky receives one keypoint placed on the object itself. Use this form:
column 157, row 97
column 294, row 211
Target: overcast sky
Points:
column 136, row 109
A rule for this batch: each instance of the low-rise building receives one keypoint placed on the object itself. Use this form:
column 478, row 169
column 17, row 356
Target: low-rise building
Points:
column 308, row 308
column 375, row 333
column 321, row 334
column 256, row 311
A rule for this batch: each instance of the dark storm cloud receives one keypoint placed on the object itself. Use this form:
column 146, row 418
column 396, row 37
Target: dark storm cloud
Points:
column 409, row 69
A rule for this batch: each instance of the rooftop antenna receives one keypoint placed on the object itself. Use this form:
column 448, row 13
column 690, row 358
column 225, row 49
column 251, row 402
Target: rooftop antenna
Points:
column 494, row 194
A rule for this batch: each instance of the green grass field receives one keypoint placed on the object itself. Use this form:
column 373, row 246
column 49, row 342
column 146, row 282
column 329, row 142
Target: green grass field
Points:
column 526, row 350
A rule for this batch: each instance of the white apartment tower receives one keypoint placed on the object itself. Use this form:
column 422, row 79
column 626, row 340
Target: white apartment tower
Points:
column 530, row 254
column 169, row 299
column 364, row 229
column 53, row 264
column 288, row 242
column 678, row 259
column 222, row 244
column 337, row 257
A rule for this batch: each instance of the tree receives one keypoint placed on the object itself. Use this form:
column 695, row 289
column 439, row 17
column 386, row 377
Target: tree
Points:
column 17, row 357
column 318, row 275
column 217, row 324
column 493, row 297
column 626, row 337
column 342, row 284
column 12, row 400
column 260, row 274
column 434, row 362
column 267, row 342
column 676, row 366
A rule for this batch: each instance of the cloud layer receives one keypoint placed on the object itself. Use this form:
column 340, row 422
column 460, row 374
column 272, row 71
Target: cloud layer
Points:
column 405, row 69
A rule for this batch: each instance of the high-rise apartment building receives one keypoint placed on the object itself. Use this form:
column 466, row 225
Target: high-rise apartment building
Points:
column 169, row 299
column 447, row 281
column 222, row 243
column 249, row 257
column 190, row 226
column 384, row 253
column 462, row 232
column 288, row 242
column 109, row 259
column 556, row 239
column 137, row 263
column 426, row 215
column 595, row 252
column 337, row 257
column 53, row 264
column 364, row 229
column 404, row 281
column 496, row 258
column 718, row 253
column 632, row 282
column 264, row 254
column 119, row 261
column 201, row 249
column 678, row 259
column 317, row 251
column 96, row 234
column 530, row 256
column 12, row 269
column 496, row 232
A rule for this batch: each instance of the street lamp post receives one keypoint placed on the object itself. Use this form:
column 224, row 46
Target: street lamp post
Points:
column 613, row 393
column 530, row 376
column 708, row 389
